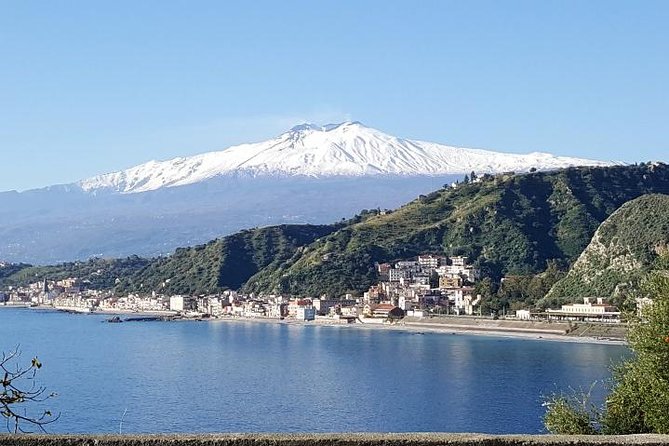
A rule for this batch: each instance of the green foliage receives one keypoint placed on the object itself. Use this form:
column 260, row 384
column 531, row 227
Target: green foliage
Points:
column 622, row 251
column 490, row 302
column 639, row 398
column 639, row 401
column 9, row 269
column 523, row 291
column 96, row 273
column 223, row 263
column 571, row 414
column 506, row 225
column 226, row 263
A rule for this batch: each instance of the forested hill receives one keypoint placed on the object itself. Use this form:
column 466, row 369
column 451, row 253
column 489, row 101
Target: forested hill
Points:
column 98, row 274
column 508, row 224
column 223, row 263
column 622, row 250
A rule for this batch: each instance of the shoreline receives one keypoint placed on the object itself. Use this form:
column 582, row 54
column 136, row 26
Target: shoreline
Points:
column 462, row 327
column 434, row 328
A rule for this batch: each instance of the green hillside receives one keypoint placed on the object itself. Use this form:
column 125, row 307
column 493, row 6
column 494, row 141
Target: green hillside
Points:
column 9, row 269
column 508, row 224
column 620, row 253
column 96, row 273
column 223, row 263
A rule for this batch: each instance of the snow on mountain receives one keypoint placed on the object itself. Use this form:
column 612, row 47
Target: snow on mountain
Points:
column 347, row 149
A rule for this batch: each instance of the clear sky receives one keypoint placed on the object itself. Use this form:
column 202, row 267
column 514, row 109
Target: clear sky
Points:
column 88, row 87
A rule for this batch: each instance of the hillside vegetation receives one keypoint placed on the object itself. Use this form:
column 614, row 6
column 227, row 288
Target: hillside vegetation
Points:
column 220, row 264
column 622, row 251
column 225, row 263
column 508, row 224
column 9, row 269
column 97, row 273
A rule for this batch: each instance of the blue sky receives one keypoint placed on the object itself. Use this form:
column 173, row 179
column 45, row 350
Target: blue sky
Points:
column 88, row 87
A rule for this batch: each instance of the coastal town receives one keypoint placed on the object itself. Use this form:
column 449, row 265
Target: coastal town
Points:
column 427, row 286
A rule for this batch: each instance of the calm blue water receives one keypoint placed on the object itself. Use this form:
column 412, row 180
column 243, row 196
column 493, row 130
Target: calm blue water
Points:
column 234, row 377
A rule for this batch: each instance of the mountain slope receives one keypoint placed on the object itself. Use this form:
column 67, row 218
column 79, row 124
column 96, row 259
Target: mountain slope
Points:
column 220, row 264
column 223, row 263
column 98, row 274
column 621, row 250
column 347, row 149
column 58, row 225
column 506, row 225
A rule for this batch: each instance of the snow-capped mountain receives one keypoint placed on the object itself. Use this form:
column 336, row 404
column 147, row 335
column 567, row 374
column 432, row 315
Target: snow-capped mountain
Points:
column 347, row 149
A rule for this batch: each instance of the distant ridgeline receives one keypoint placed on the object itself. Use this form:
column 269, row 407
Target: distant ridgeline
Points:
column 505, row 224
column 621, row 251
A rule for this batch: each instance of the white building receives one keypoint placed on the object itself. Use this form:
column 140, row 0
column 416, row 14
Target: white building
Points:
column 408, row 265
column 406, row 303
column 177, row 303
column 429, row 262
column 459, row 261
column 586, row 311
column 463, row 300
column 305, row 314
column 394, row 275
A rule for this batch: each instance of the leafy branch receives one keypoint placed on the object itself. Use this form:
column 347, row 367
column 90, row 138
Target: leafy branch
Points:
column 18, row 387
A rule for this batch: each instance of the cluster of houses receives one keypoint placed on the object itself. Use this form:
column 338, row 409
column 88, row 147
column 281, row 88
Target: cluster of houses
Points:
column 429, row 284
column 63, row 292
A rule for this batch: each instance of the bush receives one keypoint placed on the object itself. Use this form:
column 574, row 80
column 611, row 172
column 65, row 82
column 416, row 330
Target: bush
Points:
column 639, row 399
column 571, row 414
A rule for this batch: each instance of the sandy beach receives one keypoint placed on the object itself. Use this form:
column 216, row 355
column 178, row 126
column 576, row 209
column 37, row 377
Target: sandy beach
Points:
column 419, row 327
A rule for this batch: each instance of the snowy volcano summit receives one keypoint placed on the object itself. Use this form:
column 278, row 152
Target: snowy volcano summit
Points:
column 347, row 149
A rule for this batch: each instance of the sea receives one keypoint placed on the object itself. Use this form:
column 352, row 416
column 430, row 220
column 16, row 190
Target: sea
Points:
column 217, row 376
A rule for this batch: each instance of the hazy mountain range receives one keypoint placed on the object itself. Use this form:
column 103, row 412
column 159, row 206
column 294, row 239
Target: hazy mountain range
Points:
column 309, row 174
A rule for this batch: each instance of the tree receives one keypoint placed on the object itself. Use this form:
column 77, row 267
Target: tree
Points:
column 434, row 279
column 489, row 301
column 13, row 394
column 639, row 398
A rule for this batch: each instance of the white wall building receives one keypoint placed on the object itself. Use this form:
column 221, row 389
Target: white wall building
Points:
column 394, row 275
column 305, row 314
column 177, row 303
column 586, row 311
